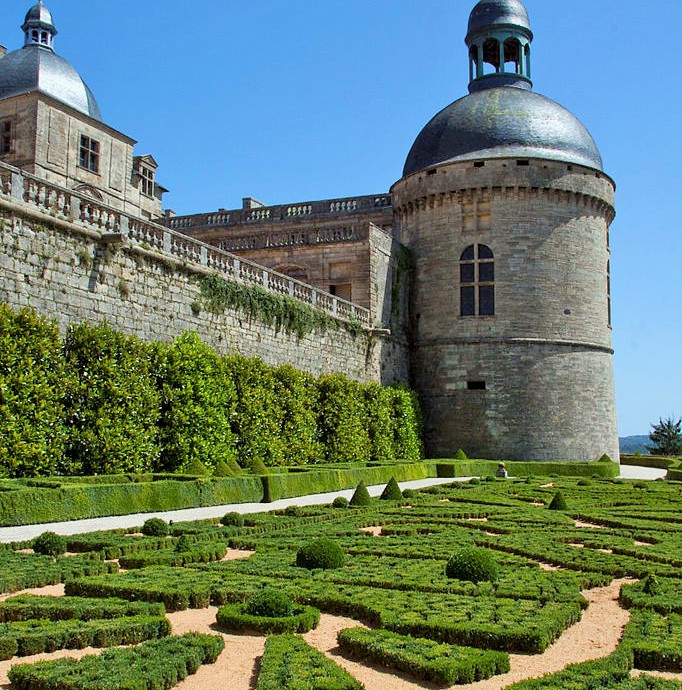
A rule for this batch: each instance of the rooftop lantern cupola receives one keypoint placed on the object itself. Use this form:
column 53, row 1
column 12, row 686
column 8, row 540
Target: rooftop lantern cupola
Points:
column 499, row 39
column 39, row 27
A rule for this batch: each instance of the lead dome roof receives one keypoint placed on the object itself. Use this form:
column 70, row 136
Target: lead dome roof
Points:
column 496, row 121
column 37, row 68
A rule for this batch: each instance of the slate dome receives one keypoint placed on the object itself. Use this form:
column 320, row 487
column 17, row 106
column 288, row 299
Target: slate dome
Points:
column 503, row 122
column 37, row 68
column 489, row 13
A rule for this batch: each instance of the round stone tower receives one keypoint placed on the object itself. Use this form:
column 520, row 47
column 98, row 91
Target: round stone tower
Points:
column 506, row 211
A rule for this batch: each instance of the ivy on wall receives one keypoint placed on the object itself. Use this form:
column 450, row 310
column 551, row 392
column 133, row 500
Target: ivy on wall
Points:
column 101, row 402
column 279, row 311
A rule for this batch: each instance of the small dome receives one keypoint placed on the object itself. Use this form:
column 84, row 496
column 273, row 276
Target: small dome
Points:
column 488, row 13
column 503, row 123
column 39, row 13
column 35, row 68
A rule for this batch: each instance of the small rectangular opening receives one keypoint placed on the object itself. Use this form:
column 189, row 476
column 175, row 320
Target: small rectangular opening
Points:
column 479, row 164
column 431, row 172
column 476, row 385
column 523, row 163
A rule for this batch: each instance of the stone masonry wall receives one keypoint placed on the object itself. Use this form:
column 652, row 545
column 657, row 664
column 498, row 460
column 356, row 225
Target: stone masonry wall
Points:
column 71, row 274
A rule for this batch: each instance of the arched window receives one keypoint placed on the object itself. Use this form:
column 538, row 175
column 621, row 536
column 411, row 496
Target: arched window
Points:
column 491, row 56
column 477, row 281
column 512, row 56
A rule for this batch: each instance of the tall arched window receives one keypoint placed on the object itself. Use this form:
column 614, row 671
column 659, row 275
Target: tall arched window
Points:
column 477, row 281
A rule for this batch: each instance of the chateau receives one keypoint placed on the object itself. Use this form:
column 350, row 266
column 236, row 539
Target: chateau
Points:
column 481, row 278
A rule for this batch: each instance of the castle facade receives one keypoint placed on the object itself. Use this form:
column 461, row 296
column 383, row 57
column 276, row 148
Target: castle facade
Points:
column 483, row 273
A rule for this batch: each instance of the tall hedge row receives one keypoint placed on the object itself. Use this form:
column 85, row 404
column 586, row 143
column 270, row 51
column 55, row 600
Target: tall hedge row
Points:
column 101, row 402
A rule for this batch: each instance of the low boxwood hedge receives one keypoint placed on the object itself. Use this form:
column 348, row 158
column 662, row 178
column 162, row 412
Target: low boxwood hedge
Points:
column 289, row 663
column 198, row 553
column 426, row 659
column 235, row 617
column 158, row 665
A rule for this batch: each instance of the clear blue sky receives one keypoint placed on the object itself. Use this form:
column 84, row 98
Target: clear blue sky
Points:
column 302, row 100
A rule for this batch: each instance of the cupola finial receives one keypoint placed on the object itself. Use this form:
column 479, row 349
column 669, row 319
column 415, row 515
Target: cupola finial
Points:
column 38, row 27
column 499, row 39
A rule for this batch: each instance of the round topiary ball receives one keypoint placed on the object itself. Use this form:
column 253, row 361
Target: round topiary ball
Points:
column 232, row 520
column 472, row 565
column 155, row 527
column 321, row 553
column 270, row 603
column 340, row 502
column 49, row 544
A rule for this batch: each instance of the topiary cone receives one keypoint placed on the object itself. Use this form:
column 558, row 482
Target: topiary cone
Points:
column 558, row 502
column 196, row 468
column 361, row 496
column 461, row 455
column 222, row 469
column 258, row 466
column 392, row 491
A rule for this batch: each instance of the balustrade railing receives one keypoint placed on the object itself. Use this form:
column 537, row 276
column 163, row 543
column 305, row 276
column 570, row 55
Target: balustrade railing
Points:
column 287, row 238
column 25, row 190
column 264, row 214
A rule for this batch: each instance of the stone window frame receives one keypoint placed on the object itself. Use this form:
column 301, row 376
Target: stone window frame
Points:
column 147, row 182
column 89, row 154
column 477, row 281
column 6, row 136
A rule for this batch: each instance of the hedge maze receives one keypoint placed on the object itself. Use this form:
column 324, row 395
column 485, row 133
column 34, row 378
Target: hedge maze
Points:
column 421, row 622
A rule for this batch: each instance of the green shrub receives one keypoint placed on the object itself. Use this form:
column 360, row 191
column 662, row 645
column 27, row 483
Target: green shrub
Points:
column 472, row 565
column 235, row 617
column 322, row 553
column 49, row 544
column 433, row 661
column 461, row 455
column 257, row 466
column 232, row 520
column 584, row 482
column 32, row 379
column 342, row 420
column 184, row 543
column 112, row 402
column 195, row 468
column 380, row 422
column 222, row 469
column 289, row 663
column 8, row 647
column 155, row 527
column 270, row 603
column 361, row 497
column 158, row 664
column 392, row 491
column 558, row 502
column 407, row 426
column 198, row 402
column 410, row 493
column 340, row 502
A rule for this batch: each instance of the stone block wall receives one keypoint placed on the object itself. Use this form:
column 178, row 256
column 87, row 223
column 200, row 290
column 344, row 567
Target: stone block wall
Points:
column 72, row 274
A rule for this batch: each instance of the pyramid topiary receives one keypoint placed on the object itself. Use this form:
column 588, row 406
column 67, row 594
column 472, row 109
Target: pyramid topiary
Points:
column 196, row 468
column 361, row 496
column 257, row 466
column 392, row 491
column 461, row 455
column 222, row 469
column 558, row 502
column 234, row 465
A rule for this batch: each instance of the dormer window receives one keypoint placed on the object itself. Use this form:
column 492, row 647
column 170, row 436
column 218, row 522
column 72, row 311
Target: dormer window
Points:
column 89, row 154
column 5, row 137
column 146, row 181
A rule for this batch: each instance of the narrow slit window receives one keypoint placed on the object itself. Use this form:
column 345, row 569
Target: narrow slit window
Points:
column 5, row 137
column 477, row 281
column 476, row 385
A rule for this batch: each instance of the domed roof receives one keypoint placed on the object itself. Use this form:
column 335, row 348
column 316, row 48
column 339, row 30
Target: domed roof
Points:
column 39, row 13
column 37, row 68
column 489, row 13
column 503, row 122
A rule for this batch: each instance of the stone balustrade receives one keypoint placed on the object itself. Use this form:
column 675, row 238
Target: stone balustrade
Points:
column 23, row 190
column 296, row 238
column 265, row 214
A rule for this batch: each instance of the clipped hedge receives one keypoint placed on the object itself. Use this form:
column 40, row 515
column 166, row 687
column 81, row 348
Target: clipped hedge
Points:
column 236, row 617
column 518, row 468
column 159, row 664
column 289, row 663
column 197, row 553
column 37, row 505
column 421, row 658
